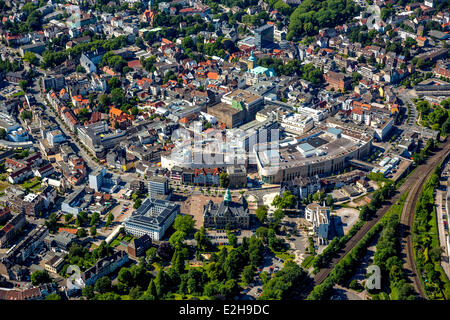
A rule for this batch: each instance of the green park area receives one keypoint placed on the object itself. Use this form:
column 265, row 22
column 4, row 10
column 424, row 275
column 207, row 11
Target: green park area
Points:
column 32, row 184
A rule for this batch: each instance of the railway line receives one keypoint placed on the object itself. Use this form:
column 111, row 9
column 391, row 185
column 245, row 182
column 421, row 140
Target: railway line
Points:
column 413, row 182
column 407, row 219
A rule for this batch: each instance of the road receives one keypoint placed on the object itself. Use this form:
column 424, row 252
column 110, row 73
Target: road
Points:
column 407, row 217
column 404, row 95
column 36, row 91
column 415, row 178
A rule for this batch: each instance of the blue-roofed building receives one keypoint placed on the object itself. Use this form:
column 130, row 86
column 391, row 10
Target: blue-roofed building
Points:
column 305, row 147
column 335, row 132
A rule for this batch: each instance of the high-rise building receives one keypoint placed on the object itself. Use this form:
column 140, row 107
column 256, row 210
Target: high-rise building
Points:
column 96, row 178
column 264, row 36
column 158, row 186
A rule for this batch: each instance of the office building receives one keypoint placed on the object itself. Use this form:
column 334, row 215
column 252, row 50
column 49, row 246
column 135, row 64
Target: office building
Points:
column 264, row 36
column 153, row 218
column 158, row 186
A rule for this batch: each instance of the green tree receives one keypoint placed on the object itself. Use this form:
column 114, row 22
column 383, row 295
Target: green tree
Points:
column 30, row 57
column 232, row 239
column 109, row 219
column 261, row 213
column 68, row 217
column 93, row 231
column 103, row 285
column 23, row 84
column 88, row 291
column 81, row 232
column 278, row 215
column 40, row 277
column 184, row 223
column 151, row 254
column 177, row 238
column 80, row 69
column 114, row 83
column 95, row 218
column 224, row 179
column 329, row 200
column 53, row 296
column 248, row 274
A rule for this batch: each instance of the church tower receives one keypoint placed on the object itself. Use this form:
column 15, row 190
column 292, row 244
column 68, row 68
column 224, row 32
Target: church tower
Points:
column 251, row 61
column 227, row 199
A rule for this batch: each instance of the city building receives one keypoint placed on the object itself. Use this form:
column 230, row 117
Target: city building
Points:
column 62, row 240
column 338, row 81
column 297, row 123
column 158, row 186
column 442, row 69
column 104, row 267
column 33, row 204
column 96, row 178
column 74, row 203
column 318, row 152
column 228, row 213
column 153, row 218
column 11, row 224
column 264, row 36
column 237, row 176
column 319, row 216
column 138, row 246
column 54, row 262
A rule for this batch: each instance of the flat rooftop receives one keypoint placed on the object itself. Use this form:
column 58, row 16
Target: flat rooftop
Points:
column 316, row 146
column 223, row 108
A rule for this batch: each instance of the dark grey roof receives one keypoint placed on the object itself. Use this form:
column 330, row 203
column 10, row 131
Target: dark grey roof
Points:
column 235, row 209
column 145, row 217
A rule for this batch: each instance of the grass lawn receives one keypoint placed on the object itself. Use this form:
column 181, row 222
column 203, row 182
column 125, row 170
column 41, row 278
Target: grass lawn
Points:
column 284, row 255
column 128, row 238
column 115, row 243
column 32, row 184
column 18, row 94
column 307, row 262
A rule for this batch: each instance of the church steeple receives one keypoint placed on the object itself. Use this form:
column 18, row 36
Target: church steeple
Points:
column 227, row 199
column 251, row 61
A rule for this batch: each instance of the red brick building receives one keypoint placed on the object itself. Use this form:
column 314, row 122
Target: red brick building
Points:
column 338, row 81
column 443, row 68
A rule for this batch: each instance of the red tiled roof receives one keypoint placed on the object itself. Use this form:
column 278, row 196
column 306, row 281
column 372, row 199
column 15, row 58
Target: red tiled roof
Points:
column 69, row 230
column 134, row 64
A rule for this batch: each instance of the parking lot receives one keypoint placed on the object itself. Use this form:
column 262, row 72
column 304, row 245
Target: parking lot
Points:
column 271, row 265
column 220, row 236
column 10, row 90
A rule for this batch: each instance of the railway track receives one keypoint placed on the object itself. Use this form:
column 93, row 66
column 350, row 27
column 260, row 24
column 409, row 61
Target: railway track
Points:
column 416, row 179
column 407, row 218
